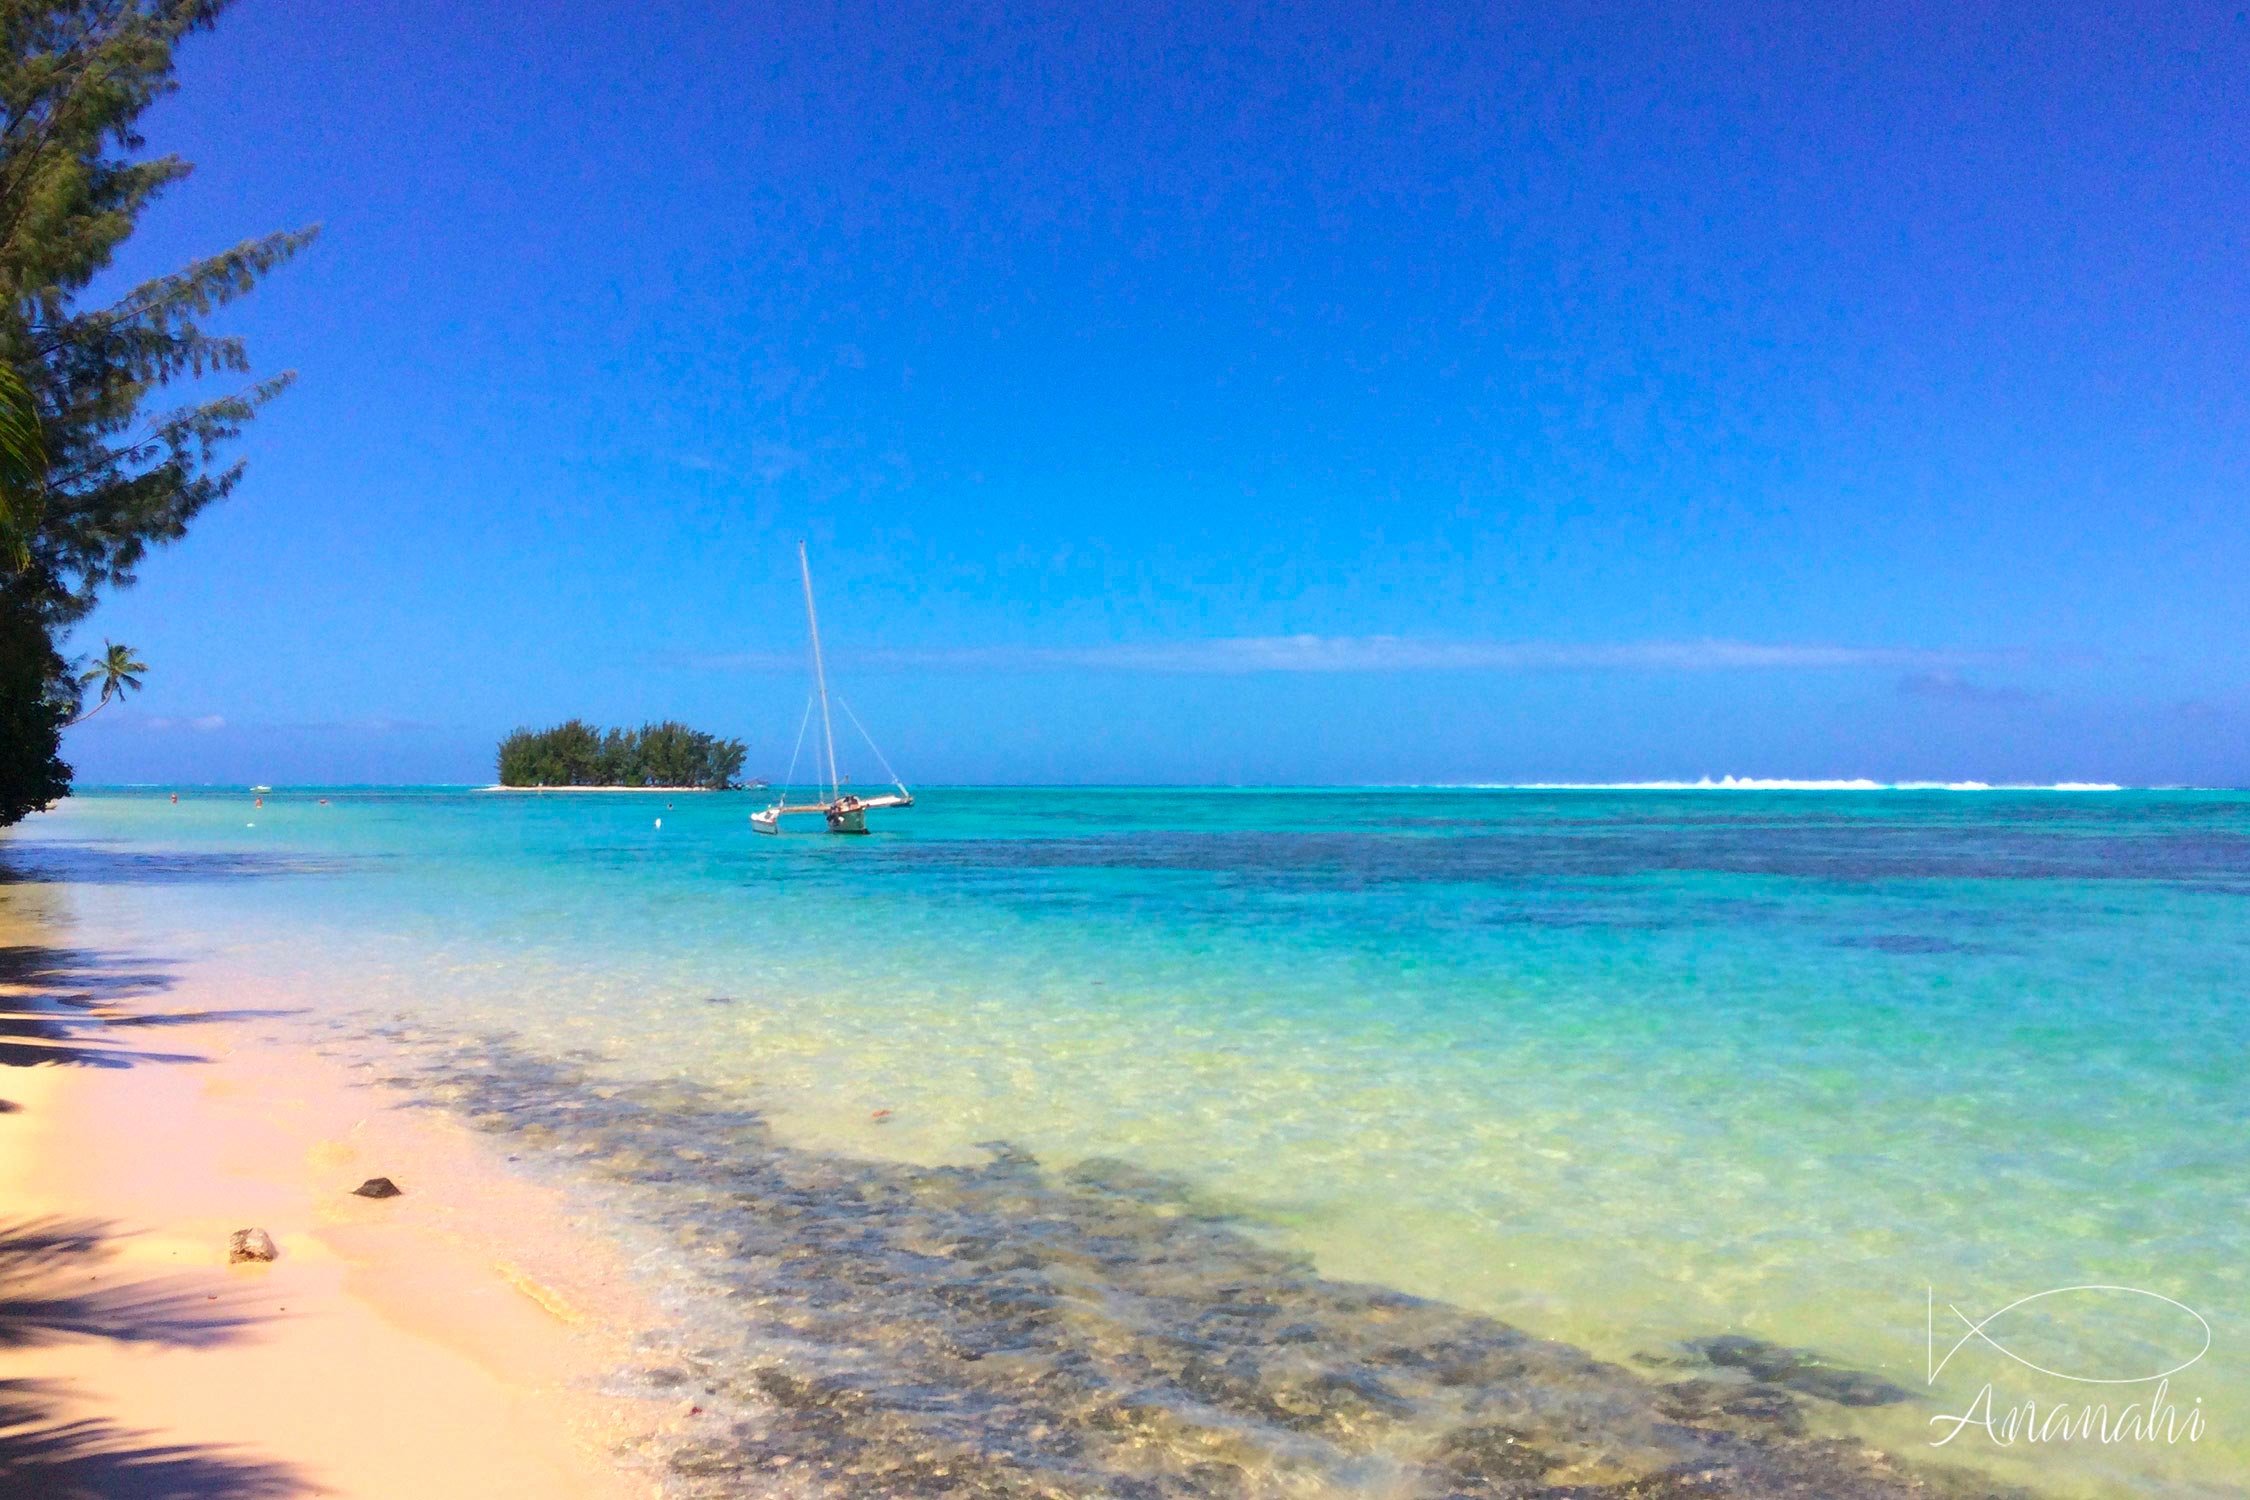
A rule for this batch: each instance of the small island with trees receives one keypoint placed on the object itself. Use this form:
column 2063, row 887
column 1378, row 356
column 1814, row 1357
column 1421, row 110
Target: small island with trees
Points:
column 667, row 756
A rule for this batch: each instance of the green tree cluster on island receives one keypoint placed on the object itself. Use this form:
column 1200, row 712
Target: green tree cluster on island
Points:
column 93, row 471
column 577, row 754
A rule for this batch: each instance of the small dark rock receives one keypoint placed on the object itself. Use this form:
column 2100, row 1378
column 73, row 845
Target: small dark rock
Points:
column 1798, row 1370
column 1765, row 1406
column 1008, row 1154
column 377, row 1187
column 1107, row 1174
column 1715, row 1402
column 797, row 1394
column 1493, row 1457
column 250, row 1244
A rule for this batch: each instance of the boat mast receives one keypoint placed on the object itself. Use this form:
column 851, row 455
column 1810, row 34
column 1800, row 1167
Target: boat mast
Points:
column 820, row 673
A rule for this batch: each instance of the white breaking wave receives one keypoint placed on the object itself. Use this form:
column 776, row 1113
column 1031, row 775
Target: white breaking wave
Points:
column 1791, row 784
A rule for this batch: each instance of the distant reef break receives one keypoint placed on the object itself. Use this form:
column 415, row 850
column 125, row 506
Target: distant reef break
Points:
column 655, row 755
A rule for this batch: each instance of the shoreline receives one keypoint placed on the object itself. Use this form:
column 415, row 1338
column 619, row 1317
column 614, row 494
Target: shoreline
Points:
column 1011, row 1326
column 666, row 790
column 447, row 1342
column 451, row 1342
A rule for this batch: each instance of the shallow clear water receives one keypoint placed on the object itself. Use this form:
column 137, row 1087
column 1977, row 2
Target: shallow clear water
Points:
column 1625, row 1069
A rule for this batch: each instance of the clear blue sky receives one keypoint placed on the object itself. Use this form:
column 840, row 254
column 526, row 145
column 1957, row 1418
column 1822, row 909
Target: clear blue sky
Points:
column 1224, row 393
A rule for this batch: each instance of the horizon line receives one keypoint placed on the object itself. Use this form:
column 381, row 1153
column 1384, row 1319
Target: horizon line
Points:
column 1352, row 654
column 1701, row 784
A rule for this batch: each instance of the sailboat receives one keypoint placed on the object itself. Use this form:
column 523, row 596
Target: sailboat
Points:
column 845, row 811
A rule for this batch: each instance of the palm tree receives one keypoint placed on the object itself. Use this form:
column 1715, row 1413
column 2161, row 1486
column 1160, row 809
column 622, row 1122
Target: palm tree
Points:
column 118, row 670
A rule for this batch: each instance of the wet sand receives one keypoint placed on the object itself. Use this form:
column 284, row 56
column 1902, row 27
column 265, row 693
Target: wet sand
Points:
column 451, row 1341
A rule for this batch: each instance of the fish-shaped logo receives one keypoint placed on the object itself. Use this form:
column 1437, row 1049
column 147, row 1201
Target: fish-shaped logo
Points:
column 2189, row 1325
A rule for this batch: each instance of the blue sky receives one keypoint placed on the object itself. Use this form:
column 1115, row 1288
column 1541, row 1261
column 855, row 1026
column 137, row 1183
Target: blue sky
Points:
column 1223, row 393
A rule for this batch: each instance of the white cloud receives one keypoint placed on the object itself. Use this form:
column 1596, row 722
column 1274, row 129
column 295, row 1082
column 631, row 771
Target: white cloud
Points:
column 163, row 723
column 1236, row 655
column 207, row 723
column 1953, row 687
column 772, row 461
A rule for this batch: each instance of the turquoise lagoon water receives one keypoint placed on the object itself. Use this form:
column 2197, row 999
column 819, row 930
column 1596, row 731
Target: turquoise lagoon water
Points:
column 1624, row 1069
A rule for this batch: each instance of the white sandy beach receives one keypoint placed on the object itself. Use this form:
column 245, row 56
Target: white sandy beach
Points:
column 447, row 1342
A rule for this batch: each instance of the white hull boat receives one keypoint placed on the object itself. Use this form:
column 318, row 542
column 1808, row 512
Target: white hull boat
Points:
column 844, row 811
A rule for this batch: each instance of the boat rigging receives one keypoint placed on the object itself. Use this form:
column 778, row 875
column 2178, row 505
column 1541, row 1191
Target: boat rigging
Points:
column 845, row 811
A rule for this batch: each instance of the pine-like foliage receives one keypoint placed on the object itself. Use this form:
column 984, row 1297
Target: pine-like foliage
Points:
column 118, row 470
column 36, row 701
column 577, row 754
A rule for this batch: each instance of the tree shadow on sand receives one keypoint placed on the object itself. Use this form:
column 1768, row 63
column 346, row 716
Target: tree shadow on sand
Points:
column 36, row 1257
column 66, row 1006
column 46, row 1266
column 58, row 1005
